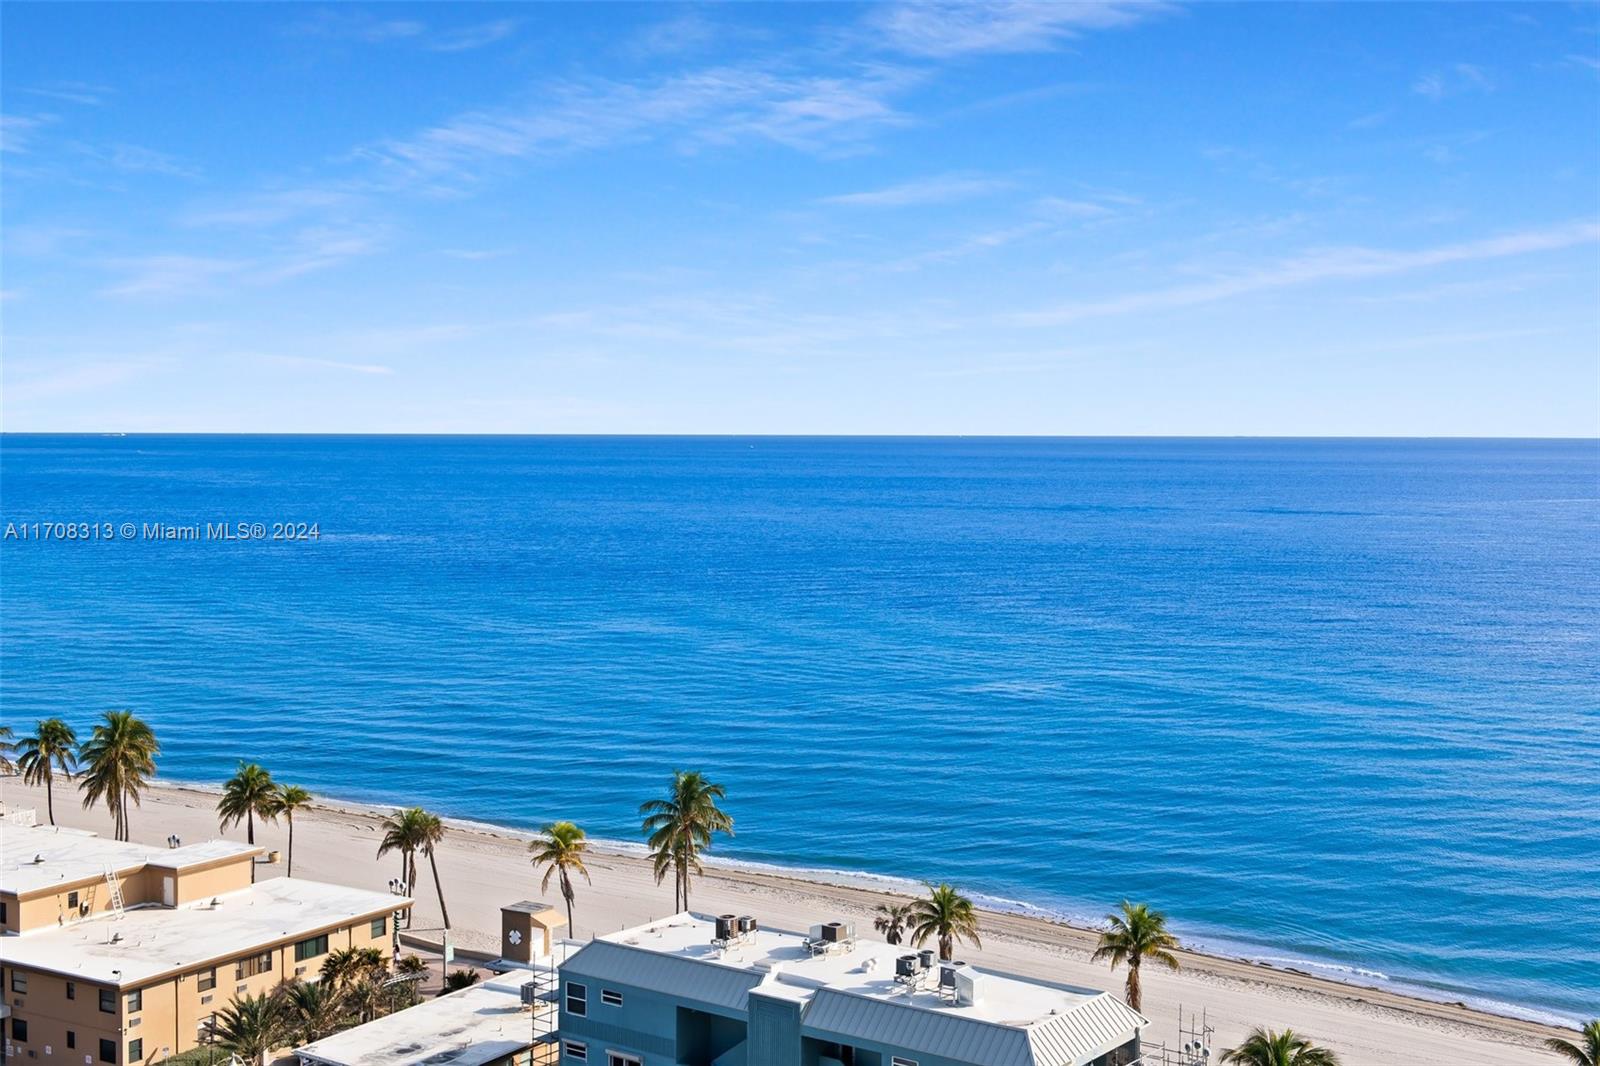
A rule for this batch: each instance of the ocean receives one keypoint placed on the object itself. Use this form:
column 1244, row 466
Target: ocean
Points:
column 1333, row 704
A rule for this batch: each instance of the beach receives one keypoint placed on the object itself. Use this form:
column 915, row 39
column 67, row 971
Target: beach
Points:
column 483, row 868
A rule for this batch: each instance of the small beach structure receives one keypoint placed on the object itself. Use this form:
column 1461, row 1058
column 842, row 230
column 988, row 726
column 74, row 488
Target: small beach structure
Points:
column 725, row 991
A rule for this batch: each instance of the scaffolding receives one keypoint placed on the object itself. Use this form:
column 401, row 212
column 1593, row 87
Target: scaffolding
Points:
column 1195, row 1037
column 541, row 998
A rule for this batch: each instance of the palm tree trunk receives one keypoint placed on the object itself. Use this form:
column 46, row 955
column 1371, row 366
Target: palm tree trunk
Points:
column 289, row 870
column 1134, row 997
column 433, row 864
column 50, row 798
column 250, row 828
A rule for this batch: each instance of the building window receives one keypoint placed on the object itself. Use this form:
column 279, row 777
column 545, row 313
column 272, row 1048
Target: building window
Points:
column 254, row 964
column 617, row 1058
column 578, row 999
column 108, row 1050
column 896, row 1060
column 311, row 948
column 19, row 1030
column 576, row 1050
column 380, row 926
column 4, row 916
column 206, row 980
column 108, row 1001
column 72, row 901
column 72, row 990
column 135, row 1050
column 19, row 982
column 611, row 997
column 72, row 1040
column 136, row 1000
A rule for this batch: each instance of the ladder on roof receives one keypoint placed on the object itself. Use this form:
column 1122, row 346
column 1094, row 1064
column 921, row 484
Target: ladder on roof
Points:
column 116, row 891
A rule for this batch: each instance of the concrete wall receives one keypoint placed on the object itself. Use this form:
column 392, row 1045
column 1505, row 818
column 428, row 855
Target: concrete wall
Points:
column 646, row 1025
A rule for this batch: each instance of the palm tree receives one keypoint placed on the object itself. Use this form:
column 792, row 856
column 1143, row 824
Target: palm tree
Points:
column 248, row 795
column 53, row 746
column 313, row 1008
column 1585, row 1054
column 1288, row 1048
column 253, row 1026
column 681, row 826
column 949, row 915
column 1136, row 934
column 459, row 979
column 6, row 748
column 560, row 851
column 893, row 920
column 411, row 966
column 291, row 798
column 432, row 833
column 119, row 759
column 403, row 832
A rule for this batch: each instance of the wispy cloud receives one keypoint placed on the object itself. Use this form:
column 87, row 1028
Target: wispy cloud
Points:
column 135, row 159
column 326, row 364
column 944, row 189
column 951, row 29
column 1334, row 264
column 86, row 377
column 71, row 92
column 304, row 252
column 1457, row 79
column 17, row 132
column 466, row 38
column 364, row 27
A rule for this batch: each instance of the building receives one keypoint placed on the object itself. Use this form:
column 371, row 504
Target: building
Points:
column 117, row 952
column 724, row 992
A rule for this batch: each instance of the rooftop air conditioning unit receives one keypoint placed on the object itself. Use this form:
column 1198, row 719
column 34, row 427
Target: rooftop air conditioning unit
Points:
column 727, row 924
column 530, row 993
column 747, row 924
column 838, row 932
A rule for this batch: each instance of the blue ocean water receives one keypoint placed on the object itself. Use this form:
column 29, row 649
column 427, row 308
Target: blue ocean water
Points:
column 1335, row 702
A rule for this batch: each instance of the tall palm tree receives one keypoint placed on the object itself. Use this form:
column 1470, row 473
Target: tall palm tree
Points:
column 432, row 833
column 1135, row 934
column 560, row 851
column 1288, row 1048
column 119, row 758
column 248, row 795
column 893, row 920
column 945, row 913
column 291, row 798
column 679, row 827
column 403, row 832
column 53, row 746
column 313, row 1008
column 6, row 748
column 253, row 1026
column 1586, row 1053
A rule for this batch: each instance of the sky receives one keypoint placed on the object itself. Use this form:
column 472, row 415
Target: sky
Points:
column 1088, row 219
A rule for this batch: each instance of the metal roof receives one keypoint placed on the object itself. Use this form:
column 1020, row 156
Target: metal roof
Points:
column 1086, row 1032
column 694, row 979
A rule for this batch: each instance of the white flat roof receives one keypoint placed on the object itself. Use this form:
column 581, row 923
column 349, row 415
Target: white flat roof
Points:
column 152, row 940
column 42, row 857
column 479, row 1024
column 866, row 970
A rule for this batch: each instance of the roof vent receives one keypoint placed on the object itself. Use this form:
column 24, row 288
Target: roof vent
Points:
column 37, row 859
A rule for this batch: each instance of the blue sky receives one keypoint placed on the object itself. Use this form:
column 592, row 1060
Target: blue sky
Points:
column 1091, row 219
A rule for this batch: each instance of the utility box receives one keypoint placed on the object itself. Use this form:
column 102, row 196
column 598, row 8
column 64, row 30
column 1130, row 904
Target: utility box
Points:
column 526, row 930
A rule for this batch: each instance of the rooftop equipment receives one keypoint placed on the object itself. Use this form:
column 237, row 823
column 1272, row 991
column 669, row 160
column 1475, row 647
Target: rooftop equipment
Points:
column 838, row 932
column 727, row 925
column 925, row 956
column 905, row 966
column 747, row 924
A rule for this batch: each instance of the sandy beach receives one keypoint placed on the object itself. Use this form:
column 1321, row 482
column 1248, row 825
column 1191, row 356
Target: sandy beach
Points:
column 483, row 869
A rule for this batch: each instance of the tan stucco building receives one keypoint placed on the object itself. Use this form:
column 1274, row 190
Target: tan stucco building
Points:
column 121, row 953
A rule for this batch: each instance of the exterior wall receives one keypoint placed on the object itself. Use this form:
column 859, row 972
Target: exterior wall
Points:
column 646, row 1025
column 203, row 882
column 140, row 885
column 774, row 1030
column 173, row 1007
column 9, row 920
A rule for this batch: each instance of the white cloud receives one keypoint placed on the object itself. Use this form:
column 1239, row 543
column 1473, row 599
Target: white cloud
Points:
column 1335, row 264
column 467, row 38
column 72, row 92
column 326, row 364
column 17, row 131
column 938, row 190
column 950, row 29
column 1460, row 78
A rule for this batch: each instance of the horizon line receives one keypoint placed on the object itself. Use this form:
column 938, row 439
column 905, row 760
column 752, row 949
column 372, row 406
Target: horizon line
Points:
column 797, row 436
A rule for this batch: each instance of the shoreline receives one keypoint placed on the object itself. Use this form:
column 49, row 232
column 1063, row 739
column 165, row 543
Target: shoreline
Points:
column 890, row 885
column 483, row 865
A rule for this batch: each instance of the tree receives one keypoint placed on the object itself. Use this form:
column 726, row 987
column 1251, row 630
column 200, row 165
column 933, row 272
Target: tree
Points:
column 432, row 833
column 291, row 798
column 253, row 1026
column 403, row 831
column 945, row 913
column 681, row 826
column 893, row 920
column 53, row 746
column 6, row 748
column 119, row 758
column 248, row 795
column 456, row 980
column 1585, row 1053
column 560, row 851
column 314, row 1009
column 1135, row 934
column 411, row 966
column 356, row 976
column 1288, row 1048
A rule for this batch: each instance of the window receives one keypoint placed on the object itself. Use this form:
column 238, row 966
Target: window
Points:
column 108, row 1001
column 206, row 980
column 254, row 964
column 576, row 1050
column 72, row 1039
column 896, row 1060
column 617, row 1058
column 136, row 1000
column 108, row 1050
column 380, row 926
column 311, row 948
column 72, row 901
column 4, row 917
column 135, row 1050
column 19, row 981
column 19, row 1030
column 611, row 997
column 578, row 999
column 72, row 990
